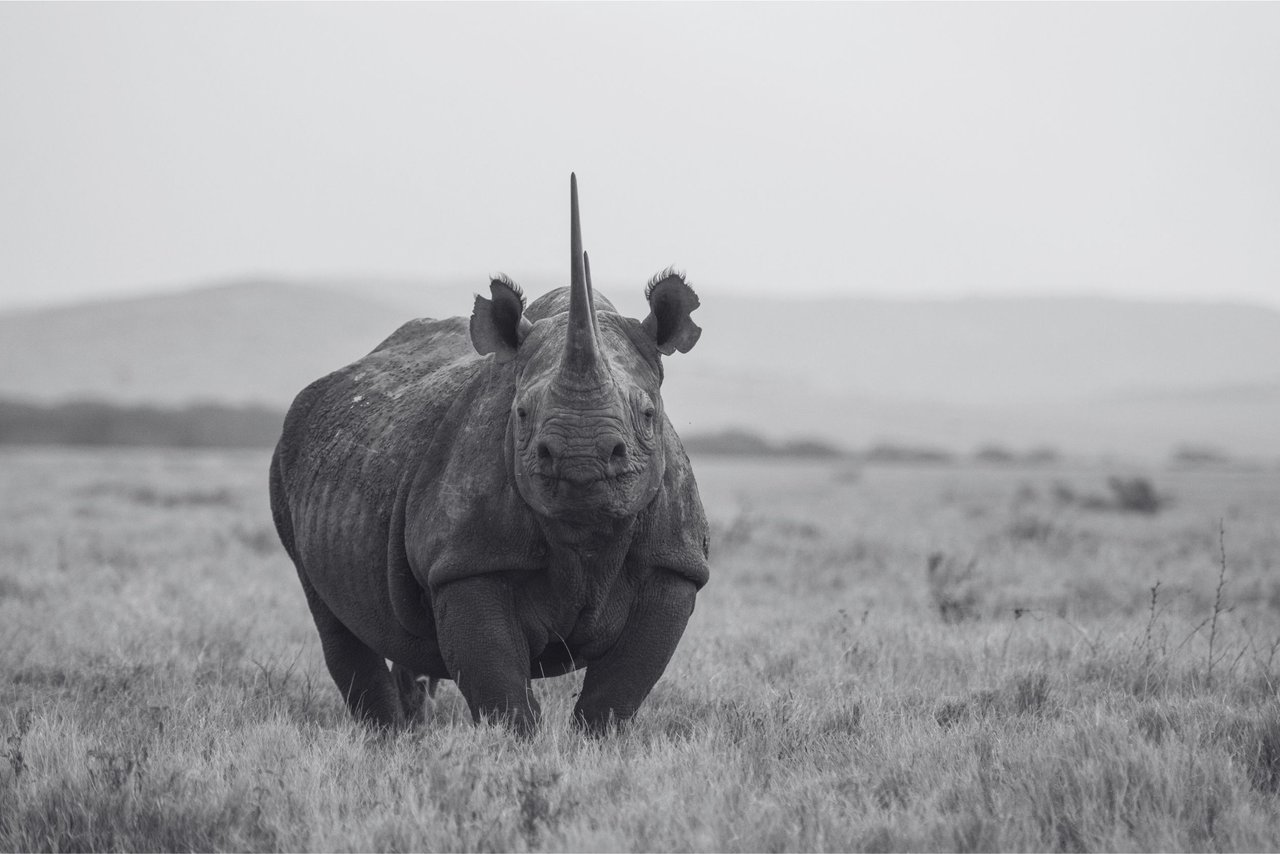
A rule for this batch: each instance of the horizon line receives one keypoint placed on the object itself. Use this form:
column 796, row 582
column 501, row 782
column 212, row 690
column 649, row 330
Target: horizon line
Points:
column 345, row 281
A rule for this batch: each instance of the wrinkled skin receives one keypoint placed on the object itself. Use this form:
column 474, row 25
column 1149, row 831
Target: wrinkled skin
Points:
column 479, row 501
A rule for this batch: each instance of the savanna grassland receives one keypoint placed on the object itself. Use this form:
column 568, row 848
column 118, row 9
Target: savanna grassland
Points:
column 891, row 658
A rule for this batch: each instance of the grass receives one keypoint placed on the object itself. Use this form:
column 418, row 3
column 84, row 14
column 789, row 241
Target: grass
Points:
column 894, row 659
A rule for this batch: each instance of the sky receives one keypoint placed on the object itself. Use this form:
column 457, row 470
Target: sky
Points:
column 887, row 150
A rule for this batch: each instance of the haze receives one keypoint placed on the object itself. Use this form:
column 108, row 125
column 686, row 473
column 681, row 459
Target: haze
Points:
column 888, row 150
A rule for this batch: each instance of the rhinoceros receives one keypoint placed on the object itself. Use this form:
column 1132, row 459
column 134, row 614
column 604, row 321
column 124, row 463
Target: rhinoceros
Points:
column 499, row 499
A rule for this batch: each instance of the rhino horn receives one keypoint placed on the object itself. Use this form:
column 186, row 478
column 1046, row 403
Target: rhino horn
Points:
column 581, row 348
column 586, row 269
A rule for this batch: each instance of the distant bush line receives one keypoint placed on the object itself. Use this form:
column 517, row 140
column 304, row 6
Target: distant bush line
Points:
column 213, row 425
column 745, row 443
column 735, row 442
column 96, row 423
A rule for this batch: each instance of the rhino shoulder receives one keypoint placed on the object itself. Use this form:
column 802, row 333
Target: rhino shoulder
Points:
column 672, row 531
column 462, row 515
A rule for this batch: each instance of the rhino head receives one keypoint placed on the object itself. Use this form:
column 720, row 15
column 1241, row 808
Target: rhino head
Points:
column 587, row 434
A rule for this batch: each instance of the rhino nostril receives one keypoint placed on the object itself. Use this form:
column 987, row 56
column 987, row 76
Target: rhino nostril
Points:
column 619, row 452
column 544, row 452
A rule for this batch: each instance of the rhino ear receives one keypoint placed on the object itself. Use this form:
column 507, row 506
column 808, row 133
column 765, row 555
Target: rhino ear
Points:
column 499, row 325
column 671, row 301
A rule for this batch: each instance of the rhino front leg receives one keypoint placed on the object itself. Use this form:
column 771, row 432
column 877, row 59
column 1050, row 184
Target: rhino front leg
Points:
column 486, row 650
column 618, row 682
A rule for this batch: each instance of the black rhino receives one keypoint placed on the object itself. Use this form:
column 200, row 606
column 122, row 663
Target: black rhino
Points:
column 499, row 500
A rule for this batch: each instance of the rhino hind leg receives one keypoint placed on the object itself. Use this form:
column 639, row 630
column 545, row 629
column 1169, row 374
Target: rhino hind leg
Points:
column 359, row 672
column 413, row 691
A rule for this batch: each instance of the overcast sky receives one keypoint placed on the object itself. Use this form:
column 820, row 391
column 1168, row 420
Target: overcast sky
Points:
column 892, row 150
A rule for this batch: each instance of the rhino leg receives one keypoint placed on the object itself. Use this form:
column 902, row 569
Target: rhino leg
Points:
column 359, row 672
column 413, row 693
column 486, row 650
column 618, row 682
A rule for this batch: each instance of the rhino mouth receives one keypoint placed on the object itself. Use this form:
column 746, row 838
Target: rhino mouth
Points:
column 582, row 491
column 557, row 481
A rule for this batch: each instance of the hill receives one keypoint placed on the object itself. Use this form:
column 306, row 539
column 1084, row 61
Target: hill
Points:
column 1084, row 374
column 979, row 350
column 249, row 342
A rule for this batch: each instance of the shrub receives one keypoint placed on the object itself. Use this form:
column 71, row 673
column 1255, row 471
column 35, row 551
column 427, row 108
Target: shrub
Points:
column 1134, row 494
column 952, row 588
column 889, row 453
column 1199, row 455
column 995, row 454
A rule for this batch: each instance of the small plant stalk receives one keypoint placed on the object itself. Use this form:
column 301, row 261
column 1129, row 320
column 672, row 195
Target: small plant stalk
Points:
column 1217, row 598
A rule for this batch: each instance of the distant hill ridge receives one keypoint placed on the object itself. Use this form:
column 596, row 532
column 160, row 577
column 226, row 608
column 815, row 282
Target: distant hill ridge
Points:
column 1087, row 373
column 247, row 342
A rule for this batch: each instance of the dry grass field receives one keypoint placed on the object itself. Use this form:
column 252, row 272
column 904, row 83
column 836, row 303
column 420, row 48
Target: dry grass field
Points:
column 891, row 658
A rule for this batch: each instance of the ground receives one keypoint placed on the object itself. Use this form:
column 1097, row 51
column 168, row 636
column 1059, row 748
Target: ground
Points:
column 886, row 658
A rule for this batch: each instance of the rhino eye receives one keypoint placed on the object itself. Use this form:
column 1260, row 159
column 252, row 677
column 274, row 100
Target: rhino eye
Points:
column 521, row 413
column 649, row 413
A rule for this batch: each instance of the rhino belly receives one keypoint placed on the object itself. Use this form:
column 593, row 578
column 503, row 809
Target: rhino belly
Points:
column 354, row 587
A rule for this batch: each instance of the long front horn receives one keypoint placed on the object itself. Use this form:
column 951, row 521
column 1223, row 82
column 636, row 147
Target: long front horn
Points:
column 581, row 353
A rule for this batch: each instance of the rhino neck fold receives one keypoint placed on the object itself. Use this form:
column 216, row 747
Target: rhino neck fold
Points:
column 599, row 544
